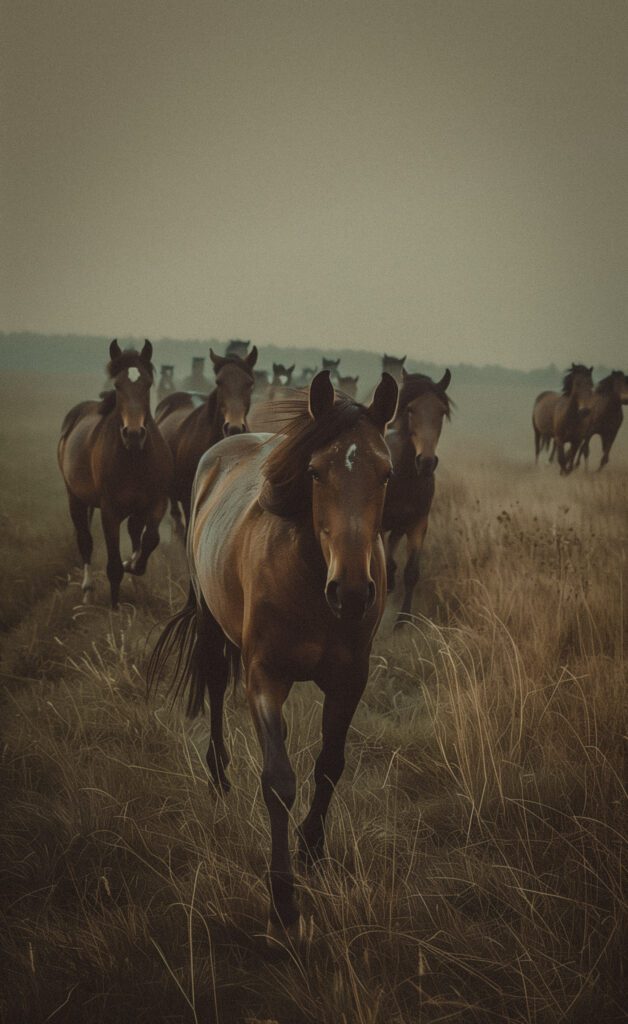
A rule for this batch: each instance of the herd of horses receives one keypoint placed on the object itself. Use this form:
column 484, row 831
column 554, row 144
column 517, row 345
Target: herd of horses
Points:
column 291, row 508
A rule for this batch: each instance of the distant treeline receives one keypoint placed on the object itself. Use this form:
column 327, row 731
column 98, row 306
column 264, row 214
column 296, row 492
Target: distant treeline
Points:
column 71, row 353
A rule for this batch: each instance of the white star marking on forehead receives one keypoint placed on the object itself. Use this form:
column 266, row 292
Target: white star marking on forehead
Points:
column 350, row 457
column 134, row 374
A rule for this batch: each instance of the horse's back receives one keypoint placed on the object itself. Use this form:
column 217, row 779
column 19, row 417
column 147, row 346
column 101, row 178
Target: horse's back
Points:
column 76, row 443
column 173, row 402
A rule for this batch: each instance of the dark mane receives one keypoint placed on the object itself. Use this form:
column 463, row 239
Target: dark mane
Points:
column 605, row 387
column 286, row 490
column 417, row 384
column 126, row 360
column 107, row 402
column 239, row 362
column 571, row 373
column 175, row 400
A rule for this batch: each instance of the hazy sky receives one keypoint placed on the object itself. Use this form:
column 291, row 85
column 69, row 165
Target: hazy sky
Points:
column 447, row 179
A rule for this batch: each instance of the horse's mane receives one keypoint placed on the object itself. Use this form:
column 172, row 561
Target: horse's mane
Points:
column 126, row 360
column 72, row 417
column 417, row 384
column 107, row 402
column 605, row 387
column 570, row 374
column 286, row 490
column 238, row 361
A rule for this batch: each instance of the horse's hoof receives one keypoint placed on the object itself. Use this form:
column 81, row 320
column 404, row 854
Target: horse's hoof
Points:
column 292, row 935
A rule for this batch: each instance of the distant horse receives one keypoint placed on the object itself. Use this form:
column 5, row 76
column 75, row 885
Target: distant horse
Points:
column 113, row 457
column 166, row 381
column 197, row 381
column 569, row 411
column 605, row 416
column 412, row 440
column 191, row 429
column 394, row 365
column 349, row 385
column 288, row 580
column 236, row 347
column 332, row 365
column 282, row 375
column 305, row 376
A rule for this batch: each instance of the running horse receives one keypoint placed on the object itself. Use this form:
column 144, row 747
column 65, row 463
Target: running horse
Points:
column 288, row 583
column 543, row 423
column 605, row 416
column 412, row 440
column 113, row 457
column 190, row 429
column 569, row 412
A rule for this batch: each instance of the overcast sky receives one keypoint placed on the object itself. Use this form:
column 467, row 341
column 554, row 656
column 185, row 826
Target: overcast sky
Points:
column 446, row 179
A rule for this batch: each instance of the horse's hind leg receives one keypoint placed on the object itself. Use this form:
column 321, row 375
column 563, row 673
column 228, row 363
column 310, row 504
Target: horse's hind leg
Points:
column 177, row 522
column 538, row 444
column 211, row 672
column 391, row 566
column 81, row 516
column 552, row 451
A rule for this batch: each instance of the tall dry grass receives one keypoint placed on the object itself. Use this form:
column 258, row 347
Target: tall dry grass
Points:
column 474, row 851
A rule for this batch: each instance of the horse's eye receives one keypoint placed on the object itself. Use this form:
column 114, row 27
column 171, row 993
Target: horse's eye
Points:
column 311, row 472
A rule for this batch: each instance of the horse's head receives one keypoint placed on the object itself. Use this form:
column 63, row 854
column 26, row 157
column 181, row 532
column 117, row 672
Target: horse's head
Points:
column 332, row 365
column 349, row 385
column 393, row 365
column 620, row 385
column 167, row 373
column 578, row 381
column 234, row 385
column 348, row 475
column 423, row 404
column 282, row 375
column 132, row 376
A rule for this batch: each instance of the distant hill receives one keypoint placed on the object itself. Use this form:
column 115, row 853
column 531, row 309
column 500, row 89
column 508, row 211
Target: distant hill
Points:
column 63, row 354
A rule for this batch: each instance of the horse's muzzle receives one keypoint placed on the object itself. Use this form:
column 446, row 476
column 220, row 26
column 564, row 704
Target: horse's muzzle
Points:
column 133, row 440
column 230, row 430
column 426, row 464
column 349, row 603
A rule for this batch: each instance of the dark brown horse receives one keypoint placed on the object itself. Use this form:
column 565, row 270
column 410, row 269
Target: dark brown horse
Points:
column 191, row 429
column 605, row 416
column 288, row 576
column 543, row 423
column 349, row 385
column 113, row 457
column 282, row 375
column 412, row 439
column 332, row 365
column 569, row 412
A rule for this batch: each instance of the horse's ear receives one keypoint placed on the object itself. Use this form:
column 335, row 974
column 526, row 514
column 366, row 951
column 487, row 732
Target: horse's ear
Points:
column 114, row 350
column 590, row 369
column 382, row 409
column 147, row 351
column 218, row 361
column 404, row 374
column 402, row 361
column 321, row 395
column 290, row 369
column 275, row 368
column 251, row 358
column 443, row 383
column 356, row 379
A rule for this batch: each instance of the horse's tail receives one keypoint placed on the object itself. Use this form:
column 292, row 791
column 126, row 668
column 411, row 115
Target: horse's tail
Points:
column 196, row 641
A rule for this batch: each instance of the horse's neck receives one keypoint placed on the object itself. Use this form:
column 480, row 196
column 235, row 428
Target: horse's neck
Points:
column 212, row 409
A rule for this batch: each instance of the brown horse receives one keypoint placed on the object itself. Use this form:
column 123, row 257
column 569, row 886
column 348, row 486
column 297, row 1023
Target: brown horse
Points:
column 332, row 365
column 191, row 429
column 113, row 457
column 569, row 411
column 605, row 416
column 394, row 365
column 282, row 375
column 288, row 578
column 412, row 439
column 543, row 423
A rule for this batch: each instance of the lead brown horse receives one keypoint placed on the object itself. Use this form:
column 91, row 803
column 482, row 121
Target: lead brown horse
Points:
column 412, row 439
column 190, row 429
column 288, row 580
column 605, row 415
column 113, row 457
column 569, row 412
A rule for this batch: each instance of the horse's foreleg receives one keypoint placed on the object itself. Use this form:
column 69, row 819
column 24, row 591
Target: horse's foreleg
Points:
column 607, row 444
column 338, row 710
column 552, row 451
column 149, row 539
column 391, row 566
column 562, row 460
column 135, row 527
column 175, row 513
column 115, row 571
column 411, row 573
column 81, row 517
column 266, row 697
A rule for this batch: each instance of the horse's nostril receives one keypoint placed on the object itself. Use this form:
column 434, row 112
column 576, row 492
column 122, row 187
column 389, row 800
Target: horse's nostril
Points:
column 332, row 593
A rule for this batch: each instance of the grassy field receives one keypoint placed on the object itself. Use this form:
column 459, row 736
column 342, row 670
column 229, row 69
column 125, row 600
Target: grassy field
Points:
column 474, row 843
